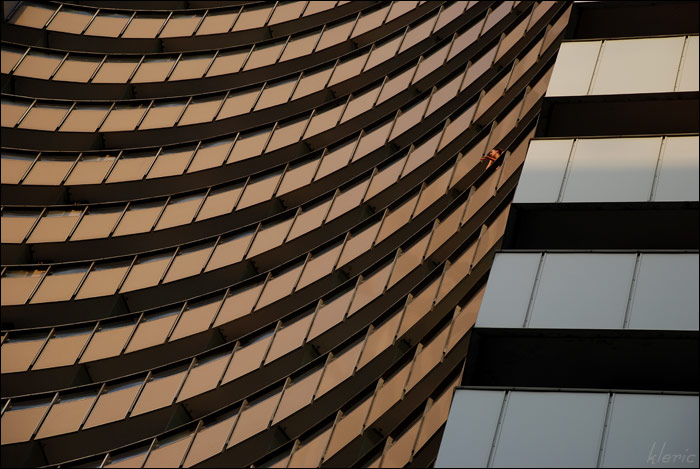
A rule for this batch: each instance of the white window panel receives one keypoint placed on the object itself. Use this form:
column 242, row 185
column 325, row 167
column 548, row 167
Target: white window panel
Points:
column 647, row 65
column 646, row 428
column 583, row 291
column 470, row 428
column 573, row 69
column 612, row 170
column 688, row 79
column 543, row 171
column 508, row 290
column 553, row 429
column 666, row 293
column 678, row 171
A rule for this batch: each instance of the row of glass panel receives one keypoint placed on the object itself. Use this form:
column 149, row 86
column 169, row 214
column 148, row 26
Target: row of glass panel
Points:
column 624, row 66
column 111, row 338
column 96, row 222
column 57, row 225
column 569, row 429
column 39, row 417
column 144, row 69
column 114, row 117
column 593, row 291
column 144, row 24
column 143, row 271
column 633, row 169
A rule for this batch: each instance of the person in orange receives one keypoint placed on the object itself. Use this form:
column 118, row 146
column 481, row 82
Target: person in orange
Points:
column 492, row 156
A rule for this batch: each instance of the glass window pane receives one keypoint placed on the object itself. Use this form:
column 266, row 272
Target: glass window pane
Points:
column 358, row 243
column 563, row 285
column 139, row 218
column 227, row 62
column 171, row 162
column 220, row 202
column 259, row 190
column 67, row 414
column 397, row 218
column 431, row 63
column 335, row 34
column 309, row 219
column 337, row 157
column 107, row 24
column 17, row 285
column 54, row 226
column 360, row 104
column 217, row 23
column 189, row 261
column 69, row 20
column 288, row 337
column 115, row 71
column 620, row 169
column 433, row 191
column 238, row 303
column 624, row 66
column 286, row 11
column 370, row 21
column 400, row 8
column 450, row 13
column 385, row 178
column 19, row 352
column 324, row 120
column 263, row 55
column 370, row 288
column 252, row 17
column 21, row 419
column 230, row 250
column 678, row 170
column 90, row 169
column 170, row 451
column 310, row 83
column 543, row 171
column 399, row 453
column 84, row 119
column 347, row 200
column 146, row 272
column 573, row 69
column 204, row 376
column 180, row 25
column 297, row 394
column 318, row 6
column 131, row 167
column 348, row 68
column 298, row 175
column 191, row 67
column 10, row 57
column 38, row 64
column 210, row 439
column 32, row 15
column 12, row 111
column 97, row 223
column 201, row 110
column 320, row 265
column 113, row 403
column 300, row 46
column 16, row 225
column 159, row 391
column 339, row 368
column 196, row 317
column 395, row 85
column 379, row 339
column 144, row 26
column 269, row 237
column 162, row 114
column 428, row 358
column 479, row 67
column 330, row 313
column 152, row 330
column 372, row 140
column 238, row 104
column 418, row 33
column 274, row 94
column 153, row 70
column 388, row 394
column 255, row 417
column 44, row 117
column 309, row 453
column 350, row 425
column 248, row 357
column 419, row 305
column 408, row 118
column 688, row 79
column 103, row 280
column 278, row 286
column 409, row 260
column 108, row 341
column 286, row 134
column 130, row 458
column 124, row 118
column 59, row 284
column 210, row 155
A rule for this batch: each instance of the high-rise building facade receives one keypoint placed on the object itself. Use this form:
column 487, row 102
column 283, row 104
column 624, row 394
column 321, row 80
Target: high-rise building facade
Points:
column 585, row 350
column 243, row 233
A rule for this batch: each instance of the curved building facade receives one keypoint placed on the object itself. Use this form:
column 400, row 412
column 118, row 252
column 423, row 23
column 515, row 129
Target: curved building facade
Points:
column 253, row 233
